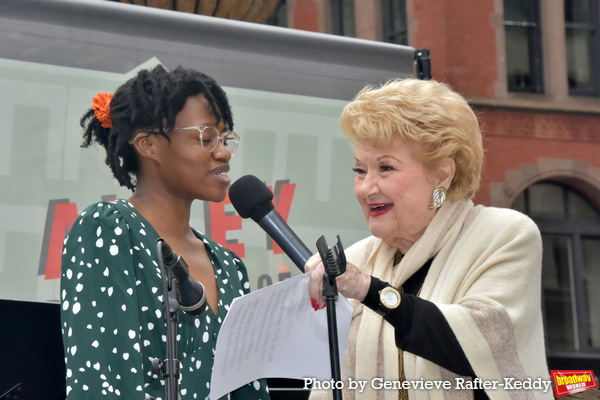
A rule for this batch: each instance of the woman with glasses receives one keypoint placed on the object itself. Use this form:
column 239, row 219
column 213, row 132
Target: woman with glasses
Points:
column 168, row 138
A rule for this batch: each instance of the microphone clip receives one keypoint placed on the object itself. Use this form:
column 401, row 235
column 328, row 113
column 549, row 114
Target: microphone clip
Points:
column 334, row 261
column 189, row 292
column 180, row 290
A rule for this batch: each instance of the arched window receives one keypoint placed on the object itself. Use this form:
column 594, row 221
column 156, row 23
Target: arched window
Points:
column 570, row 227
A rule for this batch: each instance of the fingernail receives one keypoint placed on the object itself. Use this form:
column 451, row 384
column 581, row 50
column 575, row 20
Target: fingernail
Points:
column 313, row 303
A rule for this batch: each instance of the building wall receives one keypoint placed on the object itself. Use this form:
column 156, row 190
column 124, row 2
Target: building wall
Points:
column 466, row 42
column 528, row 137
column 460, row 36
column 540, row 146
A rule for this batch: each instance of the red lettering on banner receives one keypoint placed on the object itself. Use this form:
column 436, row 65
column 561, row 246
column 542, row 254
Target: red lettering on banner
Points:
column 220, row 222
column 283, row 204
column 64, row 216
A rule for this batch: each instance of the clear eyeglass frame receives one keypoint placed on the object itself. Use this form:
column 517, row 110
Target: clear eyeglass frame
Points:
column 210, row 137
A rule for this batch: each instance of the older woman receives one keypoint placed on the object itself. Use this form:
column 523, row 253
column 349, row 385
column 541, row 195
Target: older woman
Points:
column 443, row 291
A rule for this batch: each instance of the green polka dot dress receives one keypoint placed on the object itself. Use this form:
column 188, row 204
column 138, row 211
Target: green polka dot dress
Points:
column 112, row 312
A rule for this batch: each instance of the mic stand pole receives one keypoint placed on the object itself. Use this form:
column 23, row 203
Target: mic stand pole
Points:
column 170, row 366
column 334, row 262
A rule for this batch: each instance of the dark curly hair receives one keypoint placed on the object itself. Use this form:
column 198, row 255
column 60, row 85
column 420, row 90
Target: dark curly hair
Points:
column 149, row 101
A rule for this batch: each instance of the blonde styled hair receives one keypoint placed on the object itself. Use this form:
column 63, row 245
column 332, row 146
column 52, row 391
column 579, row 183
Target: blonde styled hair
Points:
column 435, row 121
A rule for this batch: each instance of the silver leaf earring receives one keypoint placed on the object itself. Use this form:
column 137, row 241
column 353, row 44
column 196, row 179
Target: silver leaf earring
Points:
column 439, row 197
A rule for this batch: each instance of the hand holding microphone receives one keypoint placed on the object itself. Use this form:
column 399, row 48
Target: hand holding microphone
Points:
column 353, row 283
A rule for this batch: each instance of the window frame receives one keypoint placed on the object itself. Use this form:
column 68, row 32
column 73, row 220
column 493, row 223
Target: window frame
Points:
column 577, row 229
column 535, row 52
column 338, row 26
column 594, row 28
column 389, row 32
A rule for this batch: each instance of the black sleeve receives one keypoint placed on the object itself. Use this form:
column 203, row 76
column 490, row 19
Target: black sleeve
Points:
column 422, row 329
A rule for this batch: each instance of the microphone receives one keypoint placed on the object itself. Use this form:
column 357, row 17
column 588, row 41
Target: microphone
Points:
column 192, row 295
column 251, row 198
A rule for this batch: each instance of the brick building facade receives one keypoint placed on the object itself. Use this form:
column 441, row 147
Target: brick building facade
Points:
column 542, row 145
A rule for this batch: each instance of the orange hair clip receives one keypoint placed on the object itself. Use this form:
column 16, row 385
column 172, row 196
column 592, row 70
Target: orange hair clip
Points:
column 101, row 107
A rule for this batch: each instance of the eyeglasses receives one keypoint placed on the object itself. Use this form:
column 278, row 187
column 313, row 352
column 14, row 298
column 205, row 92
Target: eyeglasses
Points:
column 210, row 137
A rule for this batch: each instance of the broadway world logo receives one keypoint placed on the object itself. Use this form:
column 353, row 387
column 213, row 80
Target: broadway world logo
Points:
column 569, row 382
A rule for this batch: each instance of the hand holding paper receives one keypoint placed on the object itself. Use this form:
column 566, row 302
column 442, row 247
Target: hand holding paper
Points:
column 274, row 332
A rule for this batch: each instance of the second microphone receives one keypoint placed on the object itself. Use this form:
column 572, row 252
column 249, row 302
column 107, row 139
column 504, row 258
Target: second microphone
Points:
column 251, row 198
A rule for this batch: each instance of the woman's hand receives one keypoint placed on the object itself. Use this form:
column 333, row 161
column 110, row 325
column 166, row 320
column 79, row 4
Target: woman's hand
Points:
column 353, row 284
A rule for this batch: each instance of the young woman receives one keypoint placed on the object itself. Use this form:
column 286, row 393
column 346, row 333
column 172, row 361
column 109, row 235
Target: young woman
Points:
column 168, row 137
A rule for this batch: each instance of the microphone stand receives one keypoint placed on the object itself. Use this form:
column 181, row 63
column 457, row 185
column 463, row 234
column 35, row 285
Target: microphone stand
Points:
column 170, row 366
column 334, row 261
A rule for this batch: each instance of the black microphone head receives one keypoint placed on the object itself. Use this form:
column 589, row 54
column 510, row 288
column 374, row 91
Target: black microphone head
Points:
column 251, row 198
column 169, row 256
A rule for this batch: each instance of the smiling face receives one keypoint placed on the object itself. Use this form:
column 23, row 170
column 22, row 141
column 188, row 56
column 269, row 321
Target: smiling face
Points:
column 185, row 169
column 394, row 191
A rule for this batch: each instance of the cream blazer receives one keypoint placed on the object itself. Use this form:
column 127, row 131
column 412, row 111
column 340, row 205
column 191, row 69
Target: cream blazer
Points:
column 486, row 281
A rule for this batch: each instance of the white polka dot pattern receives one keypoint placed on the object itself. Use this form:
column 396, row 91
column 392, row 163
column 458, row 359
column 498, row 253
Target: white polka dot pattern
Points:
column 112, row 313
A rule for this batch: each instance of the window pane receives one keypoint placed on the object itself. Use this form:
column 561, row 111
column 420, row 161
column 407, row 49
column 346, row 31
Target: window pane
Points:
column 547, row 200
column 591, row 283
column 342, row 14
column 397, row 21
column 557, row 290
column 518, row 49
column 579, row 59
column 579, row 207
column 581, row 25
column 577, row 11
column 523, row 46
column 398, row 13
column 348, row 24
column 519, row 10
column 570, row 227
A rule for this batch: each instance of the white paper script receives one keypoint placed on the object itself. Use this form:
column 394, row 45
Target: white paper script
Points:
column 274, row 332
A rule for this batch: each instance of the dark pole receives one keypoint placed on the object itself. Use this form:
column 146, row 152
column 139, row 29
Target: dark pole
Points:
column 334, row 261
column 423, row 64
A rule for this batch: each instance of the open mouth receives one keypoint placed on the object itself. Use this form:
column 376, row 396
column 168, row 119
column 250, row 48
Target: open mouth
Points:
column 379, row 209
column 221, row 173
